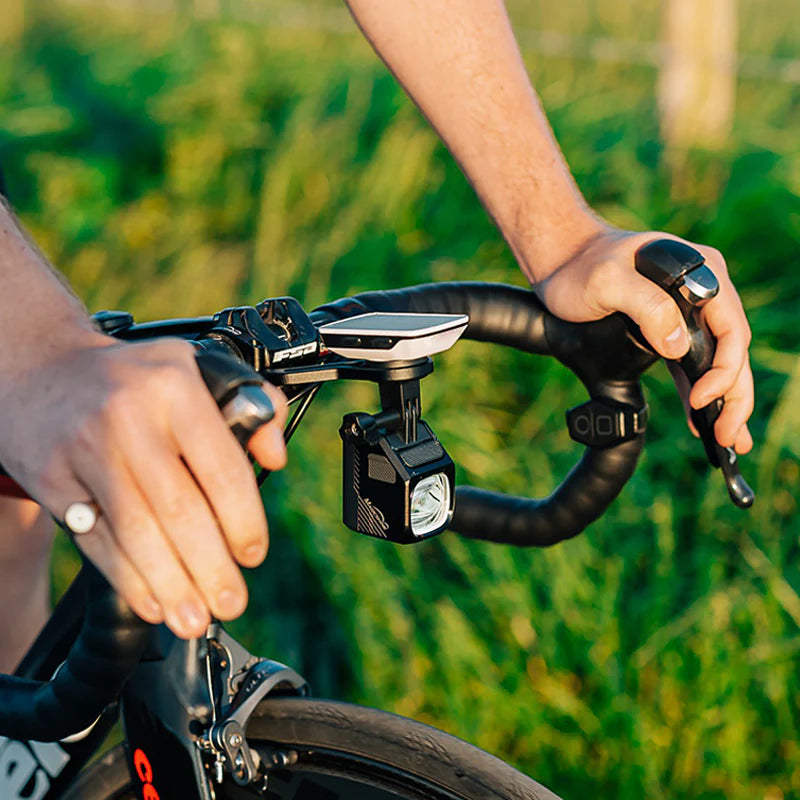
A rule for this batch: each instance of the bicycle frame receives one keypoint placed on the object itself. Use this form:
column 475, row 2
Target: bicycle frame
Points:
column 182, row 686
column 178, row 689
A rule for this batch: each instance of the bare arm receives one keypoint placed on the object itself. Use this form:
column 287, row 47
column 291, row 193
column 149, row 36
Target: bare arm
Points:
column 34, row 299
column 459, row 61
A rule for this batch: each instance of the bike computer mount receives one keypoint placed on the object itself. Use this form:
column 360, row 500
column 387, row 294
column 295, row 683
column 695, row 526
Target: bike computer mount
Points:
column 279, row 340
column 398, row 480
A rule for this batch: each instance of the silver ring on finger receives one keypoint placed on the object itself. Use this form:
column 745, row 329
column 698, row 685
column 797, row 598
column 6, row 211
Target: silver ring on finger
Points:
column 81, row 517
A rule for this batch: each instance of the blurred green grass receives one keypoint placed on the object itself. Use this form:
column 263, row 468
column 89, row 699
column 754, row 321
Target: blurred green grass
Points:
column 173, row 166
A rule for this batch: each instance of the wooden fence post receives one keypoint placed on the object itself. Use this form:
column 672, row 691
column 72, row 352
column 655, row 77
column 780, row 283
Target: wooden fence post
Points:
column 697, row 80
column 12, row 20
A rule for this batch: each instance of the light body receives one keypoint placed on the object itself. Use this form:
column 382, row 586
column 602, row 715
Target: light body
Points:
column 396, row 490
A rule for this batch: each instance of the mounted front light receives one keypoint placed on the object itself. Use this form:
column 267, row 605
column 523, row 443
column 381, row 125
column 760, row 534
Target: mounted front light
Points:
column 393, row 489
column 430, row 504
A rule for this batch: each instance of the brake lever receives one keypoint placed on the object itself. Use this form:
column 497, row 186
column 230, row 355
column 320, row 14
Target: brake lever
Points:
column 681, row 272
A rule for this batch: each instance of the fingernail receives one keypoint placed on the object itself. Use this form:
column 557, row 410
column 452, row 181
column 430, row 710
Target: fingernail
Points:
column 230, row 603
column 152, row 608
column 192, row 618
column 255, row 553
column 676, row 342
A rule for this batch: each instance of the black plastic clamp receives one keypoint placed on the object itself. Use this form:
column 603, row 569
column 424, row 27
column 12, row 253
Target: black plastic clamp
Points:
column 603, row 422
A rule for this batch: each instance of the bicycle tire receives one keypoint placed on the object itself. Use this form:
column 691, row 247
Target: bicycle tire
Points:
column 346, row 752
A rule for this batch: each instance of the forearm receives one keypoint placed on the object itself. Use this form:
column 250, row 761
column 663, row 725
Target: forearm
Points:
column 39, row 316
column 459, row 61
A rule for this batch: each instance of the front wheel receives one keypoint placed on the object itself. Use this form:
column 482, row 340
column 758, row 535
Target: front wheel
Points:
column 338, row 751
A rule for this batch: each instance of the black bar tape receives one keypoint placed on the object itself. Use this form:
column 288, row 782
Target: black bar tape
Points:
column 222, row 373
column 105, row 653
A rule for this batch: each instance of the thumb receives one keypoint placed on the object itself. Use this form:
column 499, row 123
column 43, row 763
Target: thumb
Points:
column 656, row 314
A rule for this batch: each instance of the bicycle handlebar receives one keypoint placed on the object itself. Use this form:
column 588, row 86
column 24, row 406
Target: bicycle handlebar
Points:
column 604, row 355
column 108, row 648
column 608, row 356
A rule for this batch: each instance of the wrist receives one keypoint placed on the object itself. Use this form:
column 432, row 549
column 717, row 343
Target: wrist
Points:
column 41, row 319
column 52, row 341
column 542, row 247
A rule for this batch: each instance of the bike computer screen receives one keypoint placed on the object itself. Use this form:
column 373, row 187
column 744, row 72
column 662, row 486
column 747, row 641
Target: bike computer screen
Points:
column 381, row 336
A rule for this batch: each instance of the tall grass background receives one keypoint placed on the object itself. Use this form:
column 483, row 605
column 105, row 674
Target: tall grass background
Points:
column 174, row 159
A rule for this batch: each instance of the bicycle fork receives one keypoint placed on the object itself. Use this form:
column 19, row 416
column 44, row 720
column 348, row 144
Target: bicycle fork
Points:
column 185, row 711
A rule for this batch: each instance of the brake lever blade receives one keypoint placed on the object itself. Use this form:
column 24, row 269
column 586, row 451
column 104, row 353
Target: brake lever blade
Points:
column 681, row 272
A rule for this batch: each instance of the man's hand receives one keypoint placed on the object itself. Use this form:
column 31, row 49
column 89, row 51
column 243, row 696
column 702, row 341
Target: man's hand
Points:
column 600, row 278
column 133, row 428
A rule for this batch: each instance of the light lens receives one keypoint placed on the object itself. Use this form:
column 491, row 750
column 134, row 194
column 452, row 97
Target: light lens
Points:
column 430, row 504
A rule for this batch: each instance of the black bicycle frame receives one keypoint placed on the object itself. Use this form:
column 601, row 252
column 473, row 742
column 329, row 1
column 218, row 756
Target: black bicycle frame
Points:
column 165, row 698
column 173, row 695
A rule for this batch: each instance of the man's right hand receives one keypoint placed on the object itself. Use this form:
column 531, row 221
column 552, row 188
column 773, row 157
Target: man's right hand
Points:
column 600, row 278
column 133, row 428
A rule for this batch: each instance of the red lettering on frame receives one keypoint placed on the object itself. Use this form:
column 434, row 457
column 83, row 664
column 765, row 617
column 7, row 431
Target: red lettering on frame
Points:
column 142, row 764
column 150, row 793
column 145, row 772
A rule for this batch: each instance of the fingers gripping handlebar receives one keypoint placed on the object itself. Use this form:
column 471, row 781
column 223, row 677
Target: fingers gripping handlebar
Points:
column 680, row 271
column 112, row 638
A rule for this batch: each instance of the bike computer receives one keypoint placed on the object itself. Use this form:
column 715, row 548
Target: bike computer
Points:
column 381, row 336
